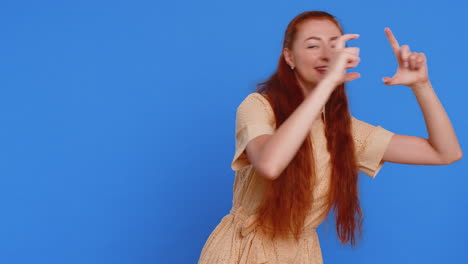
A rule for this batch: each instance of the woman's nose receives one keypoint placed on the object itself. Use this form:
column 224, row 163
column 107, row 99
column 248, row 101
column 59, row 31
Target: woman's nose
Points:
column 326, row 52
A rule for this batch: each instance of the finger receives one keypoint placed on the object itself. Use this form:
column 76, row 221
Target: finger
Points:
column 423, row 57
column 390, row 81
column 393, row 42
column 413, row 61
column 404, row 55
column 341, row 40
column 416, row 61
column 420, row 57
column 352, row 50
column 351, row 76
column 387, row 80
column 353, row 62
column 420, row 60
column 345, row 59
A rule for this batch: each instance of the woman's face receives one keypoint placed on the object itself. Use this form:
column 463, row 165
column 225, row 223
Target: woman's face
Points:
column 311, row 50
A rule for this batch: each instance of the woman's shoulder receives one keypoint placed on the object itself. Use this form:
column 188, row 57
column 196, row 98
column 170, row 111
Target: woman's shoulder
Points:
column 258, row 99
column 257, row 95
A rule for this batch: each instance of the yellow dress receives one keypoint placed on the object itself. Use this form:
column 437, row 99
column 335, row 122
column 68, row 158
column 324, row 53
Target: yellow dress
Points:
column 236, row 238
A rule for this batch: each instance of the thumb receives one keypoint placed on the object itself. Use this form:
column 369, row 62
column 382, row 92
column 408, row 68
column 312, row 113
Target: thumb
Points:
column 388, row 81
column 351, row 76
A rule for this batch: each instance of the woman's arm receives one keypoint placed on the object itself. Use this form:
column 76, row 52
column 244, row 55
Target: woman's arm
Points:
column 271, row 154
column 442, row 146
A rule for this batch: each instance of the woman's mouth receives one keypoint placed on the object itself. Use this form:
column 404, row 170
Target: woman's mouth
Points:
column 321, row 70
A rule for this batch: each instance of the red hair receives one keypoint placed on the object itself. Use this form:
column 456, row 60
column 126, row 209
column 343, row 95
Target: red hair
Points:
column 289, row 198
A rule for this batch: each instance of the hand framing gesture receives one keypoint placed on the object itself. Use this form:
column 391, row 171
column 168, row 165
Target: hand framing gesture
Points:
column 412, row 67
column 343, row 58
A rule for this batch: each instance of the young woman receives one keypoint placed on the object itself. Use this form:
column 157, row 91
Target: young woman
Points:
column 298, row 149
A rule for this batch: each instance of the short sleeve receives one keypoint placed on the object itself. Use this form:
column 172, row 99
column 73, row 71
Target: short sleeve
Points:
column 254, row 117
column 370, row 142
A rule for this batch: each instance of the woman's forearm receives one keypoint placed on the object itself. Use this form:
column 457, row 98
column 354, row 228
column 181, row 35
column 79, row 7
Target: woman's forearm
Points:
column 441, row 134
column 283, row 145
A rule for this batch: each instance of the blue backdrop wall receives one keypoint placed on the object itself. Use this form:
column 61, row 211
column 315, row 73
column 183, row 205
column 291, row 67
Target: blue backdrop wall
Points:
column 118, row 126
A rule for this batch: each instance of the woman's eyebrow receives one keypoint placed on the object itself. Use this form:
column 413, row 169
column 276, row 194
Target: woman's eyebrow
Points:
column 317, row 38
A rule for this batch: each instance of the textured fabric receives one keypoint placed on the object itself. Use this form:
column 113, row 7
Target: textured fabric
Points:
column 254, row 117
column 237, row 238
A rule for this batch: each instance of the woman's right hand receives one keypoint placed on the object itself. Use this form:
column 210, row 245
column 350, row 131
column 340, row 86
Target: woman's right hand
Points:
column 341, row 59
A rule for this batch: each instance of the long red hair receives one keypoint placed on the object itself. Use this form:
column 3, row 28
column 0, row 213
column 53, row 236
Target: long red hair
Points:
column 289, row 198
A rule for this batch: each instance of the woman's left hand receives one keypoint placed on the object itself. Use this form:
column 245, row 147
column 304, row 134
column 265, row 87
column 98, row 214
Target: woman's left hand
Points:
column 412, row 67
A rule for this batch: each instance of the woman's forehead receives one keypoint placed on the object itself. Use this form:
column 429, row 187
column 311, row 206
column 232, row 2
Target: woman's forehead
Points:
column 323, row 29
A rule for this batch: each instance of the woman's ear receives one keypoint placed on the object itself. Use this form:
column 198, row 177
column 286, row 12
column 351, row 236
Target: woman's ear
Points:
column 288, row 56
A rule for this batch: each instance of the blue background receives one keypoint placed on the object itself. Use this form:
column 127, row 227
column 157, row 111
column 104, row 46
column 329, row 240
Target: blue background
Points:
column 118, row 126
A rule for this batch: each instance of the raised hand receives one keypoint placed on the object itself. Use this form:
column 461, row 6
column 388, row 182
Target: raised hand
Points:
column 412, row 66
column 342, row 58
